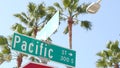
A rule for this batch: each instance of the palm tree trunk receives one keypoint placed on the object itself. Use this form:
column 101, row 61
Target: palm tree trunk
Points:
column 19, row 60
column 35, row 31
column 70, row 22
column 116, row 65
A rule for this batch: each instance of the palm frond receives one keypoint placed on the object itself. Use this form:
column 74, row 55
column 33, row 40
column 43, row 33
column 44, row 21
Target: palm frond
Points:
column 51, row 9
column 22, row 18
column 101, row 63
column 6, row 50
column 111, row 55
column 29, row 33
column 3, row 40
column 7, row 57
column 76, row 22
column 66, row 30
column 73, row 5
column 58, row 6
column 25, row 16
column 114, row 46
column 31, row 8
column 1, row 58
column 86, row 24
column 82, row 8
column 62, row 18
column 18, row 28
column 47, row 18
column 49, row 39
column 104, row 54
column 40, row 11
column 66, row 3
column 108, row 44
column 31, row 23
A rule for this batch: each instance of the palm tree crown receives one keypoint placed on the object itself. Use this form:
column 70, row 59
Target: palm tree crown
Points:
column 5, row 53
column 70, row 10
column 109, row 57
column 35, row 19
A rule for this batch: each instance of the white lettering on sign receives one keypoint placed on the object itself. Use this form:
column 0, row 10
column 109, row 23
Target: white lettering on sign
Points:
column 41, row 47
column 65, row 58
column 36, row 51
column 30, row 47
column 45, row 51
column 49, row 53
column 23, row 47
column 33, row 47
column 17, row 40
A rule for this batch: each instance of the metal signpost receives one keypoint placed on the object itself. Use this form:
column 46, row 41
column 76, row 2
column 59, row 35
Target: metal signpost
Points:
column 39, row 48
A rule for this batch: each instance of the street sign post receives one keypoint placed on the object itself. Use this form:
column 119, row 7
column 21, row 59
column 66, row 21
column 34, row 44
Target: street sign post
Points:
column 35, row 65
column 39, row 48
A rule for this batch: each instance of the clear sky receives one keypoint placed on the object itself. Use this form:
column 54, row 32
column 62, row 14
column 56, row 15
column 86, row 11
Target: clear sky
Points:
column 86, row 43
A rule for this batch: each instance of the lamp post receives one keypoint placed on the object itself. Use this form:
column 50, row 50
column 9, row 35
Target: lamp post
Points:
column 93, row 7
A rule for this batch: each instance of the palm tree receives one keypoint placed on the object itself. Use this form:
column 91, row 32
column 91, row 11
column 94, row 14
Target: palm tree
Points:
column 111, row 55
column 102, row 63
column 104, row 60
column 70, row 11
column 20, row 29
column 5, row 53
column 34, row 20
column 73, row 10
column 35, row 13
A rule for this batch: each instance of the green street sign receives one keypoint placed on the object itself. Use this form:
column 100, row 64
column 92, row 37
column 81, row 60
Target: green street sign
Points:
column 39, row 48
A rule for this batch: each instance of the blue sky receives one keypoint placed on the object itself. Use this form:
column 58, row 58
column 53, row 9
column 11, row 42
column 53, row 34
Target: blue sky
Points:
column 86, row 43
